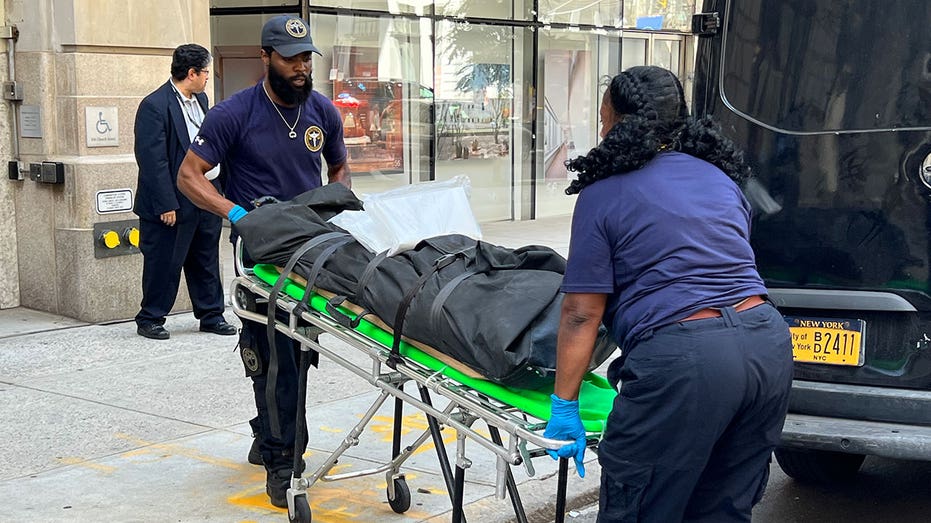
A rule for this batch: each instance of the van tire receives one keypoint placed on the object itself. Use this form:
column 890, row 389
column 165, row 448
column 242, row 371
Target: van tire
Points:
column 818, row 466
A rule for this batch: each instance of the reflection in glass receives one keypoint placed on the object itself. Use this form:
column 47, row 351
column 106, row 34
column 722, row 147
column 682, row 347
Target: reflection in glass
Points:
column 500, row 9
column 673, row 15
column 633, row 52
column 236, row 52
column 253, row 3
column 474, row 102
column 436, row 95
column 374, row 72
column 606, row 13
column 415, row 7
column 573, row 65
column 666, row 54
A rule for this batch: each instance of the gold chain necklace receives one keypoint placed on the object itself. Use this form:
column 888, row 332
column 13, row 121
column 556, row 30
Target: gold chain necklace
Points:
column 292, row 135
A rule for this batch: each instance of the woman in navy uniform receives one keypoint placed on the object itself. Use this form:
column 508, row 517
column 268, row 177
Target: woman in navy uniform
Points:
column 660, row 253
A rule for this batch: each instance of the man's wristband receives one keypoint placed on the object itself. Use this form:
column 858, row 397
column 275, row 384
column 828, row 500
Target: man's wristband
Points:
column 235, row 214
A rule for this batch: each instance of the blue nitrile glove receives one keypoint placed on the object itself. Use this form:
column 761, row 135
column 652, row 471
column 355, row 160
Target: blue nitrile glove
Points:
column 566, row 423
column 236, row 213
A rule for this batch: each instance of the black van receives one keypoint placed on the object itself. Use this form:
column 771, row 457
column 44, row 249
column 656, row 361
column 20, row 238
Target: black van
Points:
column 831, row 100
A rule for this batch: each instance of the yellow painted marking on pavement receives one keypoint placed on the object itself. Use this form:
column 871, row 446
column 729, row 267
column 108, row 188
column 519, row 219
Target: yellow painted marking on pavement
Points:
column 352, row 503
column 384, row 425
column 339, row 468
column 81, row 462
column 324, row 428
column 165, row 450
column 410, row 476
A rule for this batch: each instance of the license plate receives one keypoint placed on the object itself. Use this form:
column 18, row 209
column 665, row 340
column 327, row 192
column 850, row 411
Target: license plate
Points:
column 829, row 341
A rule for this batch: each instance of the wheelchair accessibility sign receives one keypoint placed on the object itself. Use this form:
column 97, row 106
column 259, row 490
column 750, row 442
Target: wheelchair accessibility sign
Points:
column 102, row 126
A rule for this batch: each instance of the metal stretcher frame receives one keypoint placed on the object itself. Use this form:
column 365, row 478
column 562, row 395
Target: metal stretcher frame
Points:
column 466, row 405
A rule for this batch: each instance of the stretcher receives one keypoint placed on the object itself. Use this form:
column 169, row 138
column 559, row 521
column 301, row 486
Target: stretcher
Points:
column 520, row 414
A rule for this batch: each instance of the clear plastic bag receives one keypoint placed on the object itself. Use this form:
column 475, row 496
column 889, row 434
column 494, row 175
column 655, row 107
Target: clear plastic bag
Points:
column 398, row 219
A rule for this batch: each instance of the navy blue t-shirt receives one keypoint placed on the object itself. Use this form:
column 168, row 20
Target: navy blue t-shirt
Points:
column 247, row 135
column 664, row 242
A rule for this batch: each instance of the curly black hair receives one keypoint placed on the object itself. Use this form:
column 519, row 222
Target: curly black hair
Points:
column 653, row 117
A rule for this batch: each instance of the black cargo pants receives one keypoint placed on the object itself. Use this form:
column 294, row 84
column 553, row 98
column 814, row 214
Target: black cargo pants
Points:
column 700, row 410
column 277, row 452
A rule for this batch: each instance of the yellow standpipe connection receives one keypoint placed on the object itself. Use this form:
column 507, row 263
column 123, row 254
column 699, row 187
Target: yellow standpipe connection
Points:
column 110, row 239
column 131, row 235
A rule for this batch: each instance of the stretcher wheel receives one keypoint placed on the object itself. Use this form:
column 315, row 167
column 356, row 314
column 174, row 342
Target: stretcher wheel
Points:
column 402, row 496
column 301, row 510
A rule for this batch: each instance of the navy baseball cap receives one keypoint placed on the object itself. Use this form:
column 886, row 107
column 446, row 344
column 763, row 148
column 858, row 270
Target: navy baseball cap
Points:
column 288, row 35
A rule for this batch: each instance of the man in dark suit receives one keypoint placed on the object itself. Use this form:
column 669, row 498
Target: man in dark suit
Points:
column 174, row 234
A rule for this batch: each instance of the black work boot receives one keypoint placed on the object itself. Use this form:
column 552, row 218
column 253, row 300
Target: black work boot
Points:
column 288, row 456
column 278, row 481
column 255, row 453
column 276, row 486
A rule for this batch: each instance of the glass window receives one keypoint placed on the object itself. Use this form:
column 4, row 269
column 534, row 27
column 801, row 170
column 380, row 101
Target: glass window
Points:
column 675, row 15
column 500, row 9
column 437, row 94
column 236, row 46
column 633, row 52
column 474, row 101
column 823, row 75
column 378, row 72
column 416, row 7
column 573, row 66
column 254, row 3
column 666, row 54
column 604, row 13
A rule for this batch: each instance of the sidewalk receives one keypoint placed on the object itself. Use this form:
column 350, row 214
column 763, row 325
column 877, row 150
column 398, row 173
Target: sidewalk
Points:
column 100, row 424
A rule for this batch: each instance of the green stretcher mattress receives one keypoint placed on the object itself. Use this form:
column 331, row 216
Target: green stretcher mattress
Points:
column 596, row 396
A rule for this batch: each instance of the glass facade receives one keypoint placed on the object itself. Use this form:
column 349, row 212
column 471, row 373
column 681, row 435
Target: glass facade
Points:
column 375, row 70
column 492, row 89
column 572, row 68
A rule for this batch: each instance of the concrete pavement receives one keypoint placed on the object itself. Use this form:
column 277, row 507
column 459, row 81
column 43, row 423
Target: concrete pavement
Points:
column 100, row 424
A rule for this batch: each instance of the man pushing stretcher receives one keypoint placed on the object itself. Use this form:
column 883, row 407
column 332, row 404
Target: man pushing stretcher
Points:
column 270, row 139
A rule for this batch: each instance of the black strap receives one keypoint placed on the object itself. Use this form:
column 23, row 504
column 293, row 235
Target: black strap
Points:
column 395, row 357
column 335, row 301
column 332, row 308
column 369, row 272
column 436, row 310
column 332, row 305
column 272, row 376
column 315, row 269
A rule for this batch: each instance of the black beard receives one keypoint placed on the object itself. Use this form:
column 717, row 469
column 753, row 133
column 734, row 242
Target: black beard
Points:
column 285, row 91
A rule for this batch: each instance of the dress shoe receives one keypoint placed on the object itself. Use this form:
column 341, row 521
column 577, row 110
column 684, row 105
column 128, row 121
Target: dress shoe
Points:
column 221, row 327
column 153, row 331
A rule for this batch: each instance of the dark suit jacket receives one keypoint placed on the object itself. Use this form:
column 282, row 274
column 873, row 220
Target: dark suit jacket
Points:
column 161, row 143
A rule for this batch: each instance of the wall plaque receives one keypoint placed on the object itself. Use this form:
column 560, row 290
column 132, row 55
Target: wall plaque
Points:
column 114, row 200
column 30, row 121
column 103, row 126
